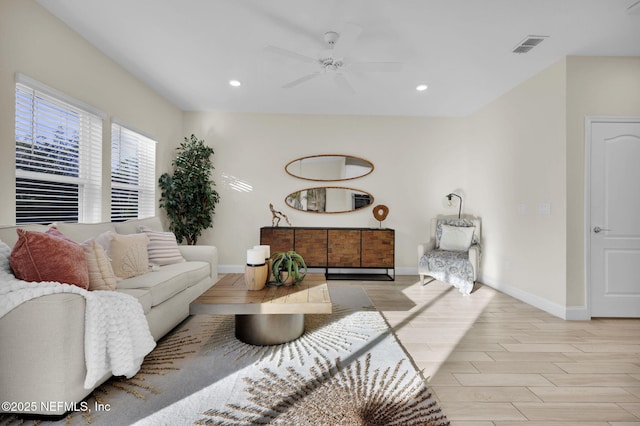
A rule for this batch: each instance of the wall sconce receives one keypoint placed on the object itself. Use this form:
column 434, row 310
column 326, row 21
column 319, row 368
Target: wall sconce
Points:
column 449, row 196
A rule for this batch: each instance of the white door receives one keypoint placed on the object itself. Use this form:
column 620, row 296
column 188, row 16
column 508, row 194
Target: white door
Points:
column 615, row 217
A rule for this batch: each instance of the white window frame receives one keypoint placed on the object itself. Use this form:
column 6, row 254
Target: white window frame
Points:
column 131, row 145
column 31, row 125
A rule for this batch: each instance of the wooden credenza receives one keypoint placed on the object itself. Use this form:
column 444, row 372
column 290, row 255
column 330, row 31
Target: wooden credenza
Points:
column 338, row 249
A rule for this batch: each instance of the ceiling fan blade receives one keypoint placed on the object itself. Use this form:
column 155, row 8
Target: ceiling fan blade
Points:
column 348, row 36
column 279, row 20
column 375, row 66
column 341, row 81
column 300, row 80
column 290, row 54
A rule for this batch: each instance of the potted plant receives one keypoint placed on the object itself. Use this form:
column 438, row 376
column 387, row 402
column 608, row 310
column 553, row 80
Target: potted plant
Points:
column 188, row 195
column 288, row 267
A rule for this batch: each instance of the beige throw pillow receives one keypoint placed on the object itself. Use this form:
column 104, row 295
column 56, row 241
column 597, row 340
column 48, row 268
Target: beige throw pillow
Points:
column 101, row 275
column 128, row 255
column 163, row 247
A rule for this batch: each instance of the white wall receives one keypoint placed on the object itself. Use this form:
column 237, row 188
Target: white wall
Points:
column 35, row 43
column 595, row 87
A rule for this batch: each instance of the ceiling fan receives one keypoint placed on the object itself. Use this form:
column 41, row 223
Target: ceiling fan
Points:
column 331, row 61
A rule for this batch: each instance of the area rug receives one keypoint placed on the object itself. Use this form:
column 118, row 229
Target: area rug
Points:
column 346, row 369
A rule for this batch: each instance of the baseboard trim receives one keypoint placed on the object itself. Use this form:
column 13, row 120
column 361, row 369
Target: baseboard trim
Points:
column 231, row 269
column 555, row 309
column 577, row 313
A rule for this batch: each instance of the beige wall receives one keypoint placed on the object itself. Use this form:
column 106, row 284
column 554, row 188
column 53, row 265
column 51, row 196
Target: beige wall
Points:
column 602, row 86
column 38, row 45
column 518, row 142
column 417, row 161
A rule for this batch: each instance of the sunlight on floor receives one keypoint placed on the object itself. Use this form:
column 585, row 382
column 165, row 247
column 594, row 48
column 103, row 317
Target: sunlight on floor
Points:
column 437, row 322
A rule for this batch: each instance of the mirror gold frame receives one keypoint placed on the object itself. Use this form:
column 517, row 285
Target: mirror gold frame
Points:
column 317, row 167
column 329, row 199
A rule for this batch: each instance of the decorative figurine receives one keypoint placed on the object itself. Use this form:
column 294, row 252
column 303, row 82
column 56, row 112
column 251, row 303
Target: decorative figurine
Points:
column 275, row 221
column 380, row 212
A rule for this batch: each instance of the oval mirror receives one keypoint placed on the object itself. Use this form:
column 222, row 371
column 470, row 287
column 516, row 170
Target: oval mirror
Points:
column 329, row 167
column 329, row 199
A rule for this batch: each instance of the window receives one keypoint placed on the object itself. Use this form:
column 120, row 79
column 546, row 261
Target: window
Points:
column 133, row 181
column 58, row 157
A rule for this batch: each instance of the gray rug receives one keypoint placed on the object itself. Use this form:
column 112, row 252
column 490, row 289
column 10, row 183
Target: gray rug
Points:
column 346, row 369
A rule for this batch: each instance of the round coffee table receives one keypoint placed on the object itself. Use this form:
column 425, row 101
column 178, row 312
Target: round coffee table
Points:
column 269, row 329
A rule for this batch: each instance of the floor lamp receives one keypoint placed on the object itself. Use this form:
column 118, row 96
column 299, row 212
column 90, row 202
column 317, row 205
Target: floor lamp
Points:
column 449, row 196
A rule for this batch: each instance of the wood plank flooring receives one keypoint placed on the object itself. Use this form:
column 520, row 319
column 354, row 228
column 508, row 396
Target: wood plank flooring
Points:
column 493, row 360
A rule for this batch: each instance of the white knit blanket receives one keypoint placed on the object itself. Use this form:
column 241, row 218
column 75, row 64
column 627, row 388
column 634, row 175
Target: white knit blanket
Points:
column 116, row 336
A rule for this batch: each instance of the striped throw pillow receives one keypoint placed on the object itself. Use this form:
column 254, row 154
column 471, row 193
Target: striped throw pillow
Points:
column 162, row 248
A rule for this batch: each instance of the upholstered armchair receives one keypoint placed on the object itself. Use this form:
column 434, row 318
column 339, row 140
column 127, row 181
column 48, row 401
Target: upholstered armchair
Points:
column 452, row 253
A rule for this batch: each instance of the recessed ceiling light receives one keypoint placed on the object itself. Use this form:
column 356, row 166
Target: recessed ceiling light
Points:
column 421, row 87
column 235, row 83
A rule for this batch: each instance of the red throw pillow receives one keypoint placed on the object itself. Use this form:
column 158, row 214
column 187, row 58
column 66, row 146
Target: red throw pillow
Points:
column 45, row 256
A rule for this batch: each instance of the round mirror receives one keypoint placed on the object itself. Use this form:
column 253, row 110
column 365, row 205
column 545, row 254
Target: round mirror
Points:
column 329, row 167
column 329, row 199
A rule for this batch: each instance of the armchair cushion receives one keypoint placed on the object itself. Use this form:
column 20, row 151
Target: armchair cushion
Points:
column 452, row 267
column 461, row 222
column 456, row 238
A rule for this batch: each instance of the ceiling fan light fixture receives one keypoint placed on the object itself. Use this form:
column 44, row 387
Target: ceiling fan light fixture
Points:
column 331, row 60
column 235, row 83
column 331, row 37
column 421, row 87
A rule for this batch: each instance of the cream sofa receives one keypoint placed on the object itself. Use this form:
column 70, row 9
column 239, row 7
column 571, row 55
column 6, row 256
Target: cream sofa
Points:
column 42, row 340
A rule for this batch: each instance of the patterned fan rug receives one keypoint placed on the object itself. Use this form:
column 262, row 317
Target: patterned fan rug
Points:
column 346, row 369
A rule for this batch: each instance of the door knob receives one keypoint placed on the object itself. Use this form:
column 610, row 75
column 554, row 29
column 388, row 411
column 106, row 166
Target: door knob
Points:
column 597, row 229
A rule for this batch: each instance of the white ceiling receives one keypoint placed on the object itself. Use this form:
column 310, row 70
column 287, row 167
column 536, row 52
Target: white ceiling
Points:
column 188, row 50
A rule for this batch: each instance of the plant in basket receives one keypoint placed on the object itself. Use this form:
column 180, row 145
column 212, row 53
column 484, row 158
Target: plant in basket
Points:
column 288, row 267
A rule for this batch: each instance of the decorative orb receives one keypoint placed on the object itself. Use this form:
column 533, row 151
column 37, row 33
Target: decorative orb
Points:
column 380, row 212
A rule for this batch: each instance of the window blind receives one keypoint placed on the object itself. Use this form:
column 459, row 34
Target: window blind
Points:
column 58, row 159
column 133, row 165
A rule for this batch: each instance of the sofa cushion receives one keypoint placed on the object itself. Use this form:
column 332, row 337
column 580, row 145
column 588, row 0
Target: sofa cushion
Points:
column 162, row 248
column 41, row 256
column 168, row 280
column 132, row 226
column 142, row 295
column 101, row 275
column 128, row 255
column 9, row 236
column 80, row 232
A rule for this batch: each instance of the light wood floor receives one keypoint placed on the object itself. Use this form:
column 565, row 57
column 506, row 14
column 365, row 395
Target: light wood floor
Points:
column 493, row 360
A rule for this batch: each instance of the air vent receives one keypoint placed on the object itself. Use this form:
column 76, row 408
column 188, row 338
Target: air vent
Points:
column 528, row 43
